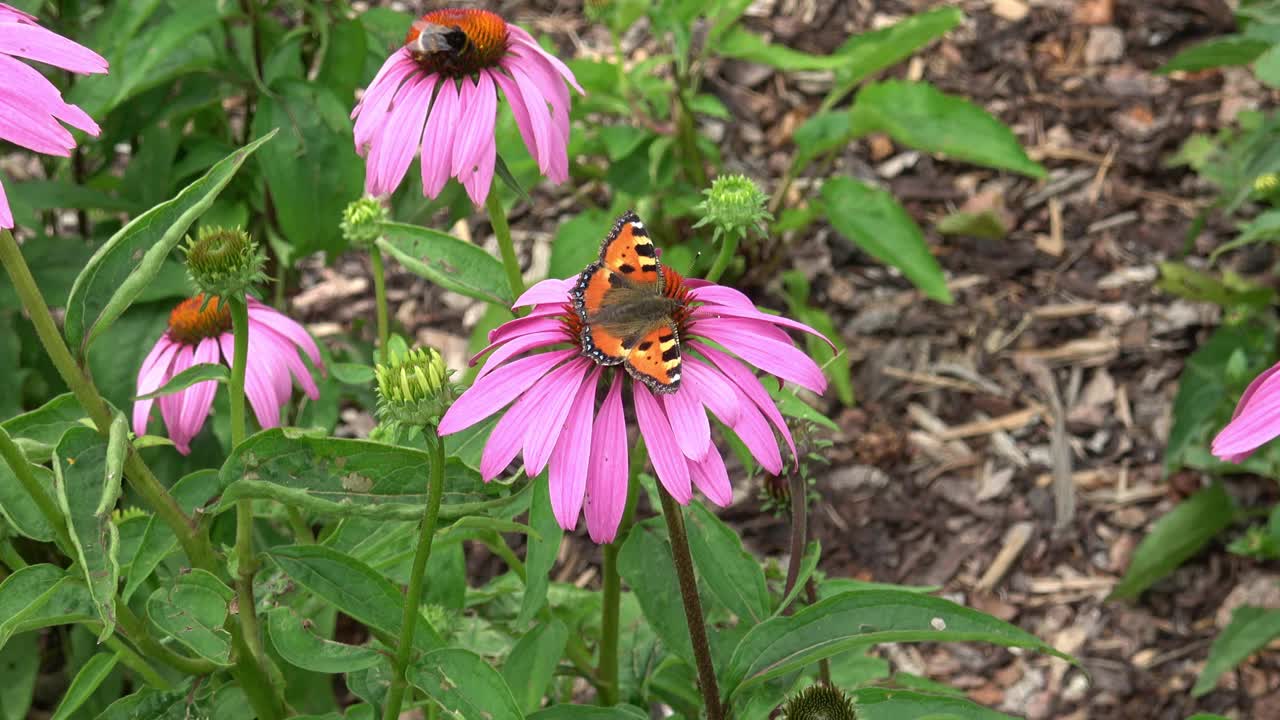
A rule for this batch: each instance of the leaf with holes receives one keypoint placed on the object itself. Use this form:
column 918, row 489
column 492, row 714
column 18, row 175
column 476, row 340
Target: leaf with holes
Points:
column 465, row 685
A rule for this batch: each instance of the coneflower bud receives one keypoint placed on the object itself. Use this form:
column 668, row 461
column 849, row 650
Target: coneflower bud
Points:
column 413, row 388
column 361, row 221
column 224, row 262
column 734, row 205
column 819, row 702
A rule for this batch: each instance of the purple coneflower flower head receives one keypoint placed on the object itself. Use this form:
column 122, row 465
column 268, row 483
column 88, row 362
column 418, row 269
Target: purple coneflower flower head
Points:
column 439, row 95
column 558, row 420
column 30, row 106
column 197, row 336
column 1256, row 420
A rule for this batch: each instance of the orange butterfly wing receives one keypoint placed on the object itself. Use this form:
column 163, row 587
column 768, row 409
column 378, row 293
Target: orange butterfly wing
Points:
column 629, row 251
column 588, row 296
column 655, row 360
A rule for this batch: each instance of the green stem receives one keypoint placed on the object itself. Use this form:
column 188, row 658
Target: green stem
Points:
column 131, row 627
column 692, row 606
column 498, row 218
column 728, row 249
column 301, row 530
column 140, row 477
column 500, row 548
column 380, row 299
column 610, row 611
column 136, row 663
column 17, row 461
column 413, row 599
column 799, row 529
column 10, row 557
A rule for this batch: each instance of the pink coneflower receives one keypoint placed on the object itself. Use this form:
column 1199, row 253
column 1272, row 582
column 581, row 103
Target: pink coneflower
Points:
column 30, row 106
column 555, row 421
column 461, row 58
column 1255, row 421
column 202, row 336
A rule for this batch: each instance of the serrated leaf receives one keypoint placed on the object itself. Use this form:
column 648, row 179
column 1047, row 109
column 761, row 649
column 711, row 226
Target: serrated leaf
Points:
column 85, row 683
column 447, row 261
column 353, row 587
column 193, row 611
column 200, row 372
column 921, row 116
column 859, row 619
column 873, row 220
column 122, row 268
column 533, row 662
column 465, row 685
column 298, row 644
column 87, row 494
column 1250, row 630
column 1175, row 538
column 733, row 575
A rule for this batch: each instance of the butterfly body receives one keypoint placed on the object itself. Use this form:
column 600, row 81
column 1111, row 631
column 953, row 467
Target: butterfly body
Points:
column 627, row 316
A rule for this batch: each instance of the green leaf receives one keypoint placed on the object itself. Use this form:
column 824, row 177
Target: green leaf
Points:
column 1266, row 226
column 353, row 587
column 886, row 704
column 986, row 224
column 645, row 562
column 541, row 553
column 39, row 431
column 352, row 373
column 19, row 666
column 1175, row 538
column 193, row 612
column 868, row 53
column 533, row 661
column 822, row 133
column 85, row 683
column 16, row 505
column 1267, row 67
column 577, row 244
column 200, row 372
column 590, row 712
column 39, row 596
column 122, row 268
column 190, row 493
column 445, row 260
column 465, row 685
column 874, row 221
column 858, row 619
column 1224, row 51
column 733, row 574
column 1250, row 630
column 808, row 563
column 341, row 477
column 742, row 44
column 87, row 492
column 921, row 116
column 293, row 637
column 1229, row 291
column 310, row 169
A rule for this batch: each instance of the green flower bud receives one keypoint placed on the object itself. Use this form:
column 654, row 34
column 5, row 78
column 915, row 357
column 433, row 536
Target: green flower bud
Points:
column 413, row 388
column 819, row 702
column 361, row 221
column 224, row 263
column 734, row 205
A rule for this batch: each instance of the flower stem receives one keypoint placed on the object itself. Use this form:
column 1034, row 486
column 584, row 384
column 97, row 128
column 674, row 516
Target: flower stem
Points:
column 413, row 599
column 380, row 299
column 12, row 455
column 498, row 218
column 134, row 662
column 799, row 529
column 728, row 249
column 610, row 611
column 140, row 477
column 245, row 566
column 9, row 556
column 692, row 605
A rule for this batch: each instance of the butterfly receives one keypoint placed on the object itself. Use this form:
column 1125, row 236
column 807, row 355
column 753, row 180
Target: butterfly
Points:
column 627, row 317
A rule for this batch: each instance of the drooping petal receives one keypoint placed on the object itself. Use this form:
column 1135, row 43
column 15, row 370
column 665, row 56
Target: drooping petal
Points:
column 479, row 110
column 688, row 421
column 750, row 386
column 259, row 390
column 778, row 358
column 42, row 95
column 521, row 418
column 713, row 389
column 393, row 148
column 712, row 311
column 710, row 476
column 572, row 456
column 6, row 215
column 756, row 434
column 478, row 183
column 552, row 90
column 492, row 393
column 508, row 349
column 374, row 108
column 668, row 462
column 550, row 291
column 521, row 326
column 171, row 405
column 155, row 367
column 607, row 473
column 522, row 37
column 539, row 441
column 1256, row 419
column 285, row 353
column 437, row 140
column 42, row 134
column 199, row 397
column 286, row 326
column 30, row 41
column 519, row 111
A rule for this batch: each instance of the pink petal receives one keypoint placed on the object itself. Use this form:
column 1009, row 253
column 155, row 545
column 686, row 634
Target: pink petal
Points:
column 479, row 182
column 479, row 109
column 572, row 456
column 519, row 110
column 552, row 91
column 393, row 148
column 539, row 115
column 713, row 311
column 1256, row 419
column 41, row 95
column 743, row 338
column 510, row 348
column 437, row 139
column 750, row 386
column 521, row 326
column 492, row 393
column 36, row 43
column 277, row 349
column 35, row 132
column 711, row 477
column 541, row 439
column 713, row 389
column 286, row 326
column 6, row 216
column 705, row 292
column 689, row 422
column 664, row 452
column 259, row 390
column 520, row 419
column 756, row 434
column 150, row 378
column 199, row 400
column 374, row 107
column 607, row 471
column 551, row 290
column 171, row 405
column 523, row 37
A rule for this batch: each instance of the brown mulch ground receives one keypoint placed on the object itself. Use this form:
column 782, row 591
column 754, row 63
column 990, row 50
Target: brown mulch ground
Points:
column 942, row 473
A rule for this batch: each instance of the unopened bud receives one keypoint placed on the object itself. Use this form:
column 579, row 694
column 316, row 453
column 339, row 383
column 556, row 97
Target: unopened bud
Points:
column 224, row 262
column 362, row 221
column 734, row 205
column 413, row 388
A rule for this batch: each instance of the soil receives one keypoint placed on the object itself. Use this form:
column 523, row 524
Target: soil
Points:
column 942, row 473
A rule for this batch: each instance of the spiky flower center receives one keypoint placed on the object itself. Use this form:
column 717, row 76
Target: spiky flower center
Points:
column 457, row 42
column 195, row 320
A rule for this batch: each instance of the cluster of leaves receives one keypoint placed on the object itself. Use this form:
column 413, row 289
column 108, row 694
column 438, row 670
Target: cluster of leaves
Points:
column 337, row 519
